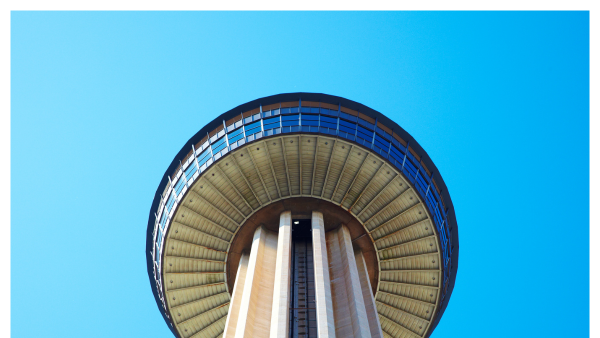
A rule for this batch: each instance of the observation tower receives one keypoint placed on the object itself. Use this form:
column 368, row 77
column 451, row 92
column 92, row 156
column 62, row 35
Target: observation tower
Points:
column 302, row 215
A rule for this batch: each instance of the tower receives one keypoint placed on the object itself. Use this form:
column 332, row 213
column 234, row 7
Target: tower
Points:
column 302, row 215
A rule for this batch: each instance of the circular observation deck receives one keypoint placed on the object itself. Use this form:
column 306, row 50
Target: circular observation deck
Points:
column 302, row 152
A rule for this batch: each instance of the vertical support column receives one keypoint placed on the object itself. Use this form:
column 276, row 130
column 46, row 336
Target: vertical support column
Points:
column 324, row 304
column 367, row 293
column 280, row 313
column 349, row 306
column 257, row 298
column 236, row 298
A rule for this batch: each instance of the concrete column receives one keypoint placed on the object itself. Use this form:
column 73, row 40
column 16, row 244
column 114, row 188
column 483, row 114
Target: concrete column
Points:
column 280, row 314
column 254, row 318
column 236, row 298
column 324, row 305
column 367, row 293
column 348, row 304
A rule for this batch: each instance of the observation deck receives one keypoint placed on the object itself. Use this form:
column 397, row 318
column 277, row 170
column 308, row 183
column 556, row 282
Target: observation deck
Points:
column 302, row 153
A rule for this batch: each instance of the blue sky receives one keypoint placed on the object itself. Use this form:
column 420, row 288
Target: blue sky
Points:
column 102, row 102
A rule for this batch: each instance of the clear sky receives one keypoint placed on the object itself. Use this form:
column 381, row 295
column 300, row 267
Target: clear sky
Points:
column 102, row 102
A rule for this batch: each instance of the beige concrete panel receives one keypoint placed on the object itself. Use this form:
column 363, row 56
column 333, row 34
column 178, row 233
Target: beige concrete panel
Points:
column 257, row 297
column 368, row 298
column 324, row 304
column 348, row 304
column 236, row 298
column 281, row 290
column 264, row 296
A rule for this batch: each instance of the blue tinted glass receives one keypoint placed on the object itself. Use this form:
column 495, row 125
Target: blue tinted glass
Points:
column 253, row 125
column 366, row 124
column 170, row 202
column 348, row 117
column 219, row 147
column 208, row 156
column 383, row 133
column 163, row 220
column 179, row 186
column 290, row 118
column 190, row 170
column 314, row 110
column 329, row 119
column 236, row 132
column 310, row 117
column 365, row 131
column 294, row 110
column 253, row 130
column 348, row 124
column 383, row 144
column 271, row 125
column 218, row 143
column 290, row 123
column 328, row 125
column 306, row 109
column 236, row 138
column 271, row 120
column 158, row 236
column 329, row 112
column 365, row 136
column 347, row 130
column 285, row 110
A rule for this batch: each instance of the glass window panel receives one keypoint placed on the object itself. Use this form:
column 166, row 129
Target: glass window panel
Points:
column 348, row 117
column 170, row 202
column 163, row 219
column 310, row 117
column 310, row 123
column 271, row 125
column 290, row 117
column 366, row 124
column 235, row 133
column 328, row 125
column 250, row 131
column 329, row 119
column 348, row 124
column 219, row 147
column 271, row 120
column 218, row 143
column 158, row 236
column 383, row 133
column 365, row 131
column 253, row 125
column 365, row 137
column 290, row 120
column 190, row 173
column 329, row 112
column 383, row 146
column 236, row 138
column 347, row 130
column 179, row 185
